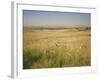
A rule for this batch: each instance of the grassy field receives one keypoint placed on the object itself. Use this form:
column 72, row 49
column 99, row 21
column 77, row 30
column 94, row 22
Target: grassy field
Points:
column 51, row 48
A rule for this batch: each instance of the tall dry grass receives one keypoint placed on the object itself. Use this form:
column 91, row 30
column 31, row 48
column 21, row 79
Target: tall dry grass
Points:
column 56, row 48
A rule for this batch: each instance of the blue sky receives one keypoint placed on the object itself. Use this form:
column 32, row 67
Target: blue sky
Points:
column 47, row 18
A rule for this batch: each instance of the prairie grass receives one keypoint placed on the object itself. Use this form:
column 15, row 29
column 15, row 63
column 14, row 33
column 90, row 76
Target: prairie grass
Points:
column 56, row 48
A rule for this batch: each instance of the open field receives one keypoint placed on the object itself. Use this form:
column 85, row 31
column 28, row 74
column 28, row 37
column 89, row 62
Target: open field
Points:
column 51, row 48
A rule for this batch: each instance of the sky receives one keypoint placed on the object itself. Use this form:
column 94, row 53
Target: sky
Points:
column 51, row 18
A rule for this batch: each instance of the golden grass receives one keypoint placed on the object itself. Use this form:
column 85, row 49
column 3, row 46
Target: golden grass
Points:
column 56, row 48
